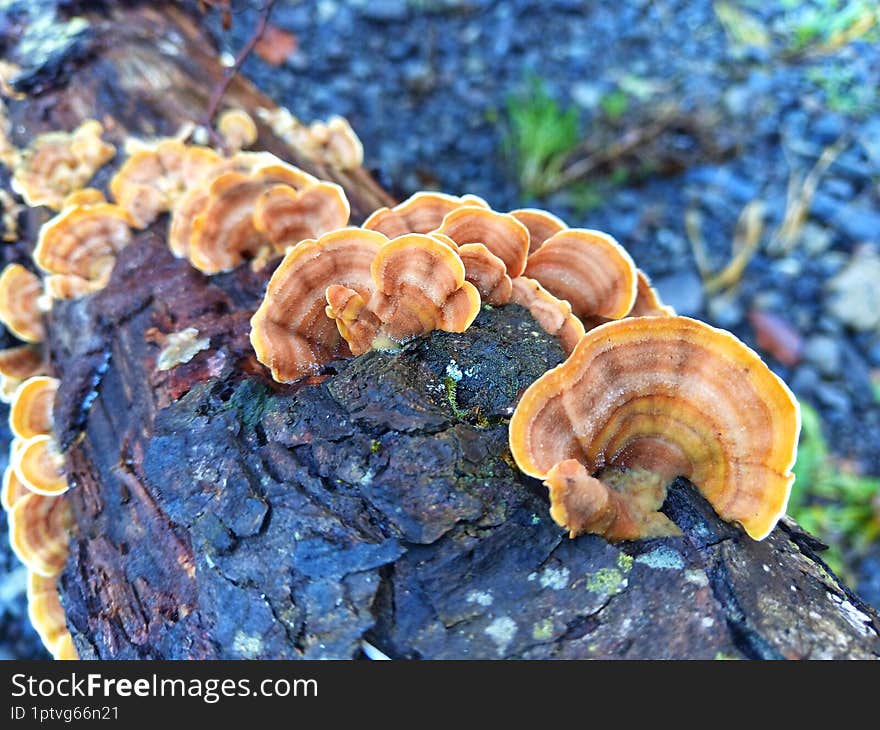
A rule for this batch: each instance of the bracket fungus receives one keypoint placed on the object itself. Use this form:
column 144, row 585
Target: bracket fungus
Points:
column 648, row 302
column 290, row 331
column 12, row 490
column 540, row 224
column 58, row 163
column 38, row 532
column 47, row 616
column 20, row 291
column 31, row 411
column 237, row 129
column 17, row 364
column 643, row 400
column 502, row 234
column 554, row 315
column 419, row 286
column 78, row 247
column 217, row 229
column 39, row 465
column 157, row 174
column 353, row 290
column 287, row 216
column 588, row 269
column 485, row 271
column 422, row 212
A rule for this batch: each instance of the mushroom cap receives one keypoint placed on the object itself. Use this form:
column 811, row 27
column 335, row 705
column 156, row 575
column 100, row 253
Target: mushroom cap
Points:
column 39, row 465
column 83, row 241
column 20, row 292
column 541, row 225
column 554, row 315
column 57, row 163
column 420, row 287
column 648, row 302
column 588, row 269
column 192, row 201
column 338, row 142
column 31, row 411
column 84, row 197
column 673, row 396
column 45, row 610
column 502, row 234
column 487, row 272
column 237, row 129
column 13, row 490
column 287, row 216
column 422, row 212
column 223, row 232
column 157, row 174
column 18, row 364
column 290, row 331
column 65, row 649
column 39, row 529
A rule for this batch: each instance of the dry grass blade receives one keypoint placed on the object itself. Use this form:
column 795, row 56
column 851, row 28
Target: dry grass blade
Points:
column 800, row 198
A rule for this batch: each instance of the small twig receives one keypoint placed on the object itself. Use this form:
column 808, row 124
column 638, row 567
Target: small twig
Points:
column 230, row 72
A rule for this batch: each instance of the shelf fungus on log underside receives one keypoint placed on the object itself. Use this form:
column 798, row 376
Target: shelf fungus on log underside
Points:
column 643, row 400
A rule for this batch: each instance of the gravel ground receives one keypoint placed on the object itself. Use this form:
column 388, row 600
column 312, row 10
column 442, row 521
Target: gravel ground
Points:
column 425, row 84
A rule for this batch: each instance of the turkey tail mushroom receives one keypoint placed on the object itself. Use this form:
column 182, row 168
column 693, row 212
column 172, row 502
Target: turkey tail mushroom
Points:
column 651, row 398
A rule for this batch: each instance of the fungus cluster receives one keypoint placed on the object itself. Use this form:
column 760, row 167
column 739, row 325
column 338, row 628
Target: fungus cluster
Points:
column 58, row 163
column 38, row 513
column 643, row 397
column 251, row 208
column 333, row 142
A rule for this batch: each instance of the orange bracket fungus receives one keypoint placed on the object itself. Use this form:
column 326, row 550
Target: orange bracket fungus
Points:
column 224, row 231
column 554, row 315
column 39, row 465
column 336, row 142
column 502, row 234
column 31, row 411
column 13, row 490
column 353, row 290
column 541, row 225
column 422, row 212
column 20, row 291
column 643, row 400
column 237, row 129
column 16, row 365
column 47, row 616
column 157, row 174
column 420, row 286
column 485, row 271
column 57, row 163
column 648, row 302
column 287, row 216
column 78, row 247
column 38, row 532
column 588, row 269
column 291, row 332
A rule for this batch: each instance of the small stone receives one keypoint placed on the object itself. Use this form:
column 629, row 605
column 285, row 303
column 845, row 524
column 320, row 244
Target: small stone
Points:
column 824, row 353
column 815, row 239
column 683, row 291
column 586, row 95
column 855, row 291
column 725, row 311
column 832, row 397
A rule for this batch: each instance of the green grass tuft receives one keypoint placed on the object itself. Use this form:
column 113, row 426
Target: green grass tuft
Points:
column 839, row 507
column 540, row 137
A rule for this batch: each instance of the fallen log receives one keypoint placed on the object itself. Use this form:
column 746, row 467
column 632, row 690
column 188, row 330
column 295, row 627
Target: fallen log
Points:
column 221, row 515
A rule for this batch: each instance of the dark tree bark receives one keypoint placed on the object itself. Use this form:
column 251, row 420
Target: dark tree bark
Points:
column 219, row 514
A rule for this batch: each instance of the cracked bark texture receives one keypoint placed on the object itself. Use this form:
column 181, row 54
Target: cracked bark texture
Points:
column 220, row 515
